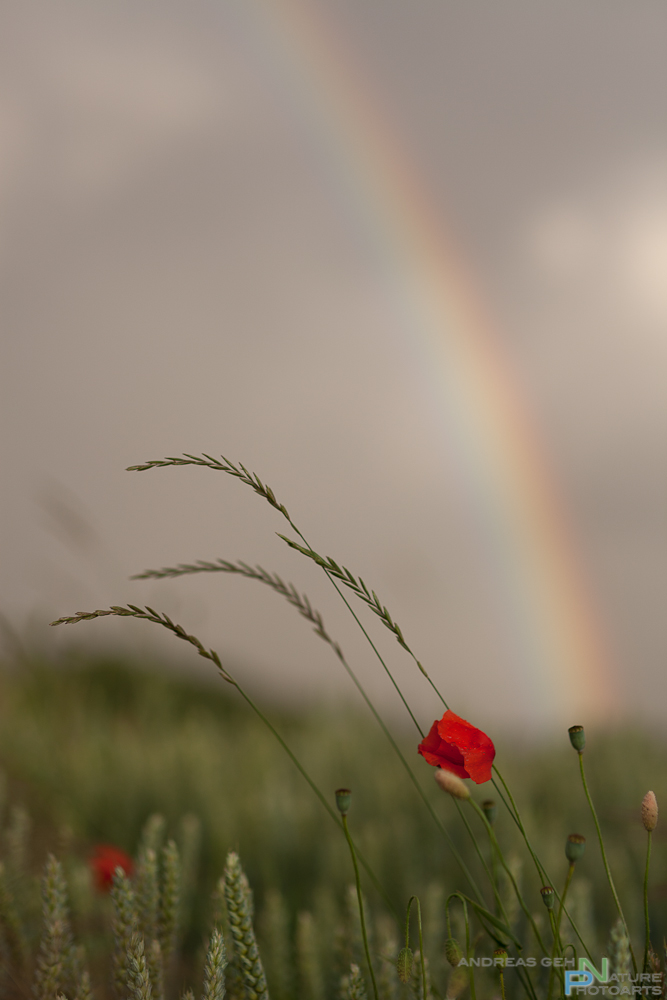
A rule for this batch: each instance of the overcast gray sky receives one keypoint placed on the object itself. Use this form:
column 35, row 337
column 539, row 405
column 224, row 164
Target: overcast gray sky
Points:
column 187, row 266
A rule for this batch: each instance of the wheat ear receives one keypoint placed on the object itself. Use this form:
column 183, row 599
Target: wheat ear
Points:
column 243, row 934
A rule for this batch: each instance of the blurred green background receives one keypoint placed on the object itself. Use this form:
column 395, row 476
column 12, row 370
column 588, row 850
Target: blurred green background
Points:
column 92, row 747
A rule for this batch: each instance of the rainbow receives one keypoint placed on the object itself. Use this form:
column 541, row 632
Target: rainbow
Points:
column 557, row 630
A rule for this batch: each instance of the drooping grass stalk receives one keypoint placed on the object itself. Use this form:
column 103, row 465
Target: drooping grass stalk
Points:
column 210, row 654
column 421, row 940
column 214, row 972
column 607, row 869
column 56, row 942
column 360, row 902
column 252, row 479
column 306, row 610
column 242, row 931
column 125, row 926
column 647, row 926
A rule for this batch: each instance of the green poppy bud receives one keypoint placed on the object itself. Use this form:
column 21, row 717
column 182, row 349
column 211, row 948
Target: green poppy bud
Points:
column 453, row 952
column 343, row 800
column 577, row 738
column 404, row 964
column 490, row 809
column 500, row 957
column 575, row 845
column 548, row 896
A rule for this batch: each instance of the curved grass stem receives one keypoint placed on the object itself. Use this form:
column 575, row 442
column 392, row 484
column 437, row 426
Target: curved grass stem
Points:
column 421, row 941
column 607, row 869
column 361, row 907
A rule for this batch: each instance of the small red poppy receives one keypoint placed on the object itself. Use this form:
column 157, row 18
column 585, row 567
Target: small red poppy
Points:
column 456, row 746
column 104, row 861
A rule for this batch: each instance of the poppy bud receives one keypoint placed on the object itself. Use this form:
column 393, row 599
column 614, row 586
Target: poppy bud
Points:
column 450, row 783
column 500, row 957
column 490, row 809
column 548, row 896
column 453, row 952
column 404, row 964
column 577, row 738
column 650, row 812
column 575, row 845
column 343, row 800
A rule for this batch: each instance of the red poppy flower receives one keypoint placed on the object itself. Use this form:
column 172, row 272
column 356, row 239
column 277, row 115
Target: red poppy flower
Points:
column 456, row 746
column 106, row 858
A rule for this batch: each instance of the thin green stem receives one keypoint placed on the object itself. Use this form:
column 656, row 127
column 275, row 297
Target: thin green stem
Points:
column 502, row 986
column 647, row 946
column 421, row 940
column 542, row 873
column 471, row 834
column 361, row 907
column 604, row 858
column 558, row 946
column 510, row 874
